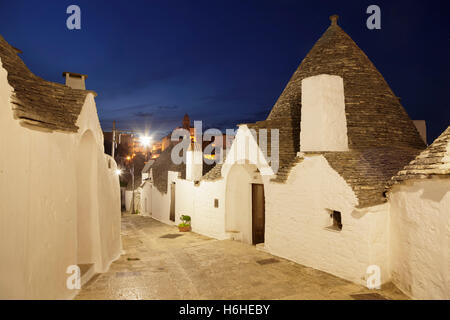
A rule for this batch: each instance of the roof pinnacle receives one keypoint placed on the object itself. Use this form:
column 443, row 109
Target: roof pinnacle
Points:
column 334, row 19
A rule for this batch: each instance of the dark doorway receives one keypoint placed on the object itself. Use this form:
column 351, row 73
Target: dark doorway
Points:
column 172, row 202
column 258, row 213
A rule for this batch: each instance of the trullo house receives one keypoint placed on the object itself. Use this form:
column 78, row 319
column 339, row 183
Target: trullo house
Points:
column 59, row 194
column 320, row 198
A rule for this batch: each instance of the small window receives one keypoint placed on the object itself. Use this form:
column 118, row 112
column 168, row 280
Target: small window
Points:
column 216, row 203
column 336, row 220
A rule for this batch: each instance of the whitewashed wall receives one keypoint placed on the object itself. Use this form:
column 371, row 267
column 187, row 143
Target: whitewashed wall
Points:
column 128, row 198
column 297, row 217
column 198, row 202
column 38, row 204
column 239, row 217
column 161, row 201
column 146, row 199
column 420, row 238
column 185, row 198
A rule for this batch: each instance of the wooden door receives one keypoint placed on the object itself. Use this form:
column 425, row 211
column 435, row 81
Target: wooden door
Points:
column 258, row 213
column 172, row 202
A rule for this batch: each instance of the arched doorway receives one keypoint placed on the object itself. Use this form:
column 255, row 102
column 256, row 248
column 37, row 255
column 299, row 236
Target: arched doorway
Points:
column 86, row 200
column 245, row 204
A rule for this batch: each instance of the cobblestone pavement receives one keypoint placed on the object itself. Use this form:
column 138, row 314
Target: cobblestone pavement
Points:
column 192, row 266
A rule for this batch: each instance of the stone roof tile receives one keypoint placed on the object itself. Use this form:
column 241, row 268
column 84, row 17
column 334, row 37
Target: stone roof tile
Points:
column 42, row 103
column 434, row 161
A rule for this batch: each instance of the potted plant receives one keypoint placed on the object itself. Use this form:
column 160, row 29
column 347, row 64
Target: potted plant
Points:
column 185, row 225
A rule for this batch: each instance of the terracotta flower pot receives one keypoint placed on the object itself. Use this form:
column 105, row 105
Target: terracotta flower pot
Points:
column 184, row 229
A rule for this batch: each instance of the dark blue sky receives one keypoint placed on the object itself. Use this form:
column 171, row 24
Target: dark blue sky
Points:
column 224, row 62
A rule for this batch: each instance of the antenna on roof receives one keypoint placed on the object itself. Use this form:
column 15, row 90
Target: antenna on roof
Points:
column 334, row 19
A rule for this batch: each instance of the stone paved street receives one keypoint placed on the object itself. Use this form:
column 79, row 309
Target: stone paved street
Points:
column 192, row 266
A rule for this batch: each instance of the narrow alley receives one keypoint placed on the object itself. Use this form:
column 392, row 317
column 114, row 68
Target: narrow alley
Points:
column 159, row 262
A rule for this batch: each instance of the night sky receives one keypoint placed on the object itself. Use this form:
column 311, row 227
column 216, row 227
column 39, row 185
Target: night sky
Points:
column 224, row 62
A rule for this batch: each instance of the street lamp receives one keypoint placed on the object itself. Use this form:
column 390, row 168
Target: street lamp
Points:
column 119, row 172
column 145, row 140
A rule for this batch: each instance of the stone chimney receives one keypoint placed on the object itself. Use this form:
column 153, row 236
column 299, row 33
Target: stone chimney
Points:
column 75, row 80
column 194, row 162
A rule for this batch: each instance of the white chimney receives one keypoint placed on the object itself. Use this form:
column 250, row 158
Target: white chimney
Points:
column 75, row 80
column 194, row 162
column 323, row 122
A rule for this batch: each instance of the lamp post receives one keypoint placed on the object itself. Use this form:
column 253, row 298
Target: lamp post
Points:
column 132, row 183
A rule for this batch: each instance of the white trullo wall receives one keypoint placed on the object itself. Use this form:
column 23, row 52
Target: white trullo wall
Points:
column 198, row 202
column 323, row 121
column 161, row 201
column 87, row 200
column 298, row 214
column 39, row 204
column 238, row 217
column 420, row 238
column 146, row 199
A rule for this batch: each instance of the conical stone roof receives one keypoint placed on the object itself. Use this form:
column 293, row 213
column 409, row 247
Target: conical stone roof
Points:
column 432, row 162
column 375, row 116
column 36, row 101
column 382, row 138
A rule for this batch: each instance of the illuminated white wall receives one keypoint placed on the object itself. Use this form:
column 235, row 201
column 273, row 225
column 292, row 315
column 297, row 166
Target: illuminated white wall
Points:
column 39, row 201
column 420, row 238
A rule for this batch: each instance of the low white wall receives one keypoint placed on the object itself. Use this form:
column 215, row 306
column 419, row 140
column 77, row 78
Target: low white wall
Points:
column 185, row 198
column 161, row 201
column 38, row 204
column 212, row 223
column 198, row 202
column 128, row 198
column 146, row 199
column 420, row 238
column 297, row 217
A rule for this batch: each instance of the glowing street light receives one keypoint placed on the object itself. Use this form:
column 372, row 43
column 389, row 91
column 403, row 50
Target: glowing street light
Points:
column 145, row 140
column 118, row 172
